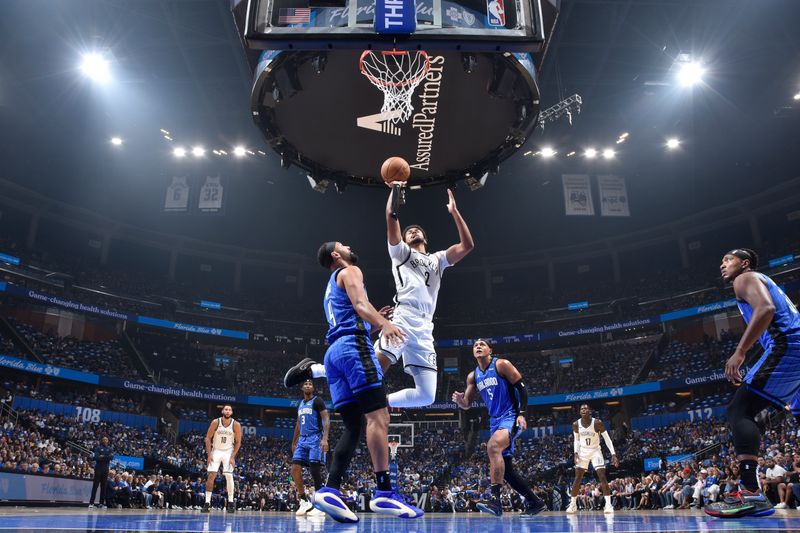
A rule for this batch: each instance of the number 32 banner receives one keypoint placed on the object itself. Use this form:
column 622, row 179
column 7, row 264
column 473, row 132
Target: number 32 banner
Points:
column 211, row 195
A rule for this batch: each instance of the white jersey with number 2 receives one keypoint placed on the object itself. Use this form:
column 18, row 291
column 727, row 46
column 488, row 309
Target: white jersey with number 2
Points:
column 417, row 277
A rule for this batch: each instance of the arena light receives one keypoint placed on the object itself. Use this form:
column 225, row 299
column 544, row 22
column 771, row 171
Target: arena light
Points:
column 548, row 152
column 239, row 151
column 96, row 67
column 673, row 143
column 179, row 152
column 198, row 151
column 796, row 96
column 570, row 154
column 116, row 141
column 608, row 153
column 691, row 74
column 590, row 153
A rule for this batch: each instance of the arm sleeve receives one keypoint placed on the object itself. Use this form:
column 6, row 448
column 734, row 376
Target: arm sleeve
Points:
column 576, row 445
column 520, row 398
column 399, row 252
column 608, row 442
column 319, row 405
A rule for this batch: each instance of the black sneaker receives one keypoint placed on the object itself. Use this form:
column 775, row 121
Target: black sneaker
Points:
column 206, row 508
column 490, row 507
column 532, row 509
column 231, row 507
column 298, row 373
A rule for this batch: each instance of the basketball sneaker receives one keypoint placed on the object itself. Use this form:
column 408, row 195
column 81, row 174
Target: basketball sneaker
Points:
column 206, row 508
column 231, row 508
column 305, row 507
column 315, row 513
column 573, row 507
column 532, row 509
column 741, row 503
column 298, row 373
column 330, row 501
column 608, row 508
column 490, row 507
column 393, row 503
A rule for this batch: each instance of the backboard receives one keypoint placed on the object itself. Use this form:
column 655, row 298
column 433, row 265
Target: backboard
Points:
column 515, row 25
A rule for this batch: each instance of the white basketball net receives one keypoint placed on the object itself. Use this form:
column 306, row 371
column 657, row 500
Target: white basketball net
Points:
column 396, row 74
column 393, row 447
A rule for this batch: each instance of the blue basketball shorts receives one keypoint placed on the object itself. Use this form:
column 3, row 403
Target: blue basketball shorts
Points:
column 776, row 376
column 308, row 450
column 352, row 368
column 509, row 423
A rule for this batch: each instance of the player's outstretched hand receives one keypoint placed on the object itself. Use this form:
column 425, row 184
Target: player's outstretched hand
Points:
column 615, row 461
column 451, row 202
column 324, row 445
column 522, row 424
column 387, row 311
column 392, row 184
column 393, row 334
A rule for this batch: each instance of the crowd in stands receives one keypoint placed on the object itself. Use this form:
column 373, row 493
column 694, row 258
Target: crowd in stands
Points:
column 603, row 365
column 107, row 357
column 681, row 358
column 512, row 313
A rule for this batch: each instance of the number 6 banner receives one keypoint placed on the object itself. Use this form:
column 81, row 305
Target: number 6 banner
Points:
column 211, row 195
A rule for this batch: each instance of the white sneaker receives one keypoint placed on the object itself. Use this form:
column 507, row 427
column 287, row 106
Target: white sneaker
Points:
column 573, row 507
column 91, row 506
column 608, row 509
column 313, row 513
column 305, row 507
column 780, row 506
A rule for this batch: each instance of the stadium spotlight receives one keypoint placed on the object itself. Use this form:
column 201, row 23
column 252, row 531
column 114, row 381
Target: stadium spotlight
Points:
column 547, row 152
column 796, row 96
column 239, row 151
column 590, row 153
column 198, row 151
column 179, row 152
column 116, row 141
column 96, row 67
column 690, row 74
column 608, row 153
column 673, row 143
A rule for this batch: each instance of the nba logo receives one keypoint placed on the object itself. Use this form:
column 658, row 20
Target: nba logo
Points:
column 496, row 12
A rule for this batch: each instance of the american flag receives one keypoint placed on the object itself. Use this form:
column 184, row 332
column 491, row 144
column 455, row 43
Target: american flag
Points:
column 294, row 15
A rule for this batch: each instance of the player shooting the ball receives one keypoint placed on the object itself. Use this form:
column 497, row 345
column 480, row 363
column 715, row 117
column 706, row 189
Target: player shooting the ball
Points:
column 417, row 277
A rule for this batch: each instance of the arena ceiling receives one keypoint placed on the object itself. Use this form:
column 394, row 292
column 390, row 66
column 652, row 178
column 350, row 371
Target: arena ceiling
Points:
column 179, row 65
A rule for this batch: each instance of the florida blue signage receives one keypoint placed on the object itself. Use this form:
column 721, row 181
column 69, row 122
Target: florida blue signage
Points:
column 127, row 462
column 651, row 463
column 577, row 305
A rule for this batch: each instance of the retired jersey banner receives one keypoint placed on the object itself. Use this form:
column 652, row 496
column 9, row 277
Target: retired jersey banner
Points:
column 613, row 196
column 177, row 197
column 577, row 194
column 211, row 195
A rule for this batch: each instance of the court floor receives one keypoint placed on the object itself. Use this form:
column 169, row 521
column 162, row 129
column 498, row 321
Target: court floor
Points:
column 57, row 519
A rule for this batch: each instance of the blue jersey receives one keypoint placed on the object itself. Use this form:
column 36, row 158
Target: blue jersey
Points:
column 340, row 313
column 308, row 414
column 497, row 393
column 785, row 325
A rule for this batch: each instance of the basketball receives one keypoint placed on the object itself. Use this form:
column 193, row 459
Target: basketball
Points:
column 395, row 169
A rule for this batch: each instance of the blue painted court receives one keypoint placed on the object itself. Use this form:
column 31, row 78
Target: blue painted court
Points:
column 17, row 519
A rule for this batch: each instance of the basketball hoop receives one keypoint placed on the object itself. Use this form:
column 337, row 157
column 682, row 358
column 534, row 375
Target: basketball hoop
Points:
column 393, row 447
column 397, row 74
